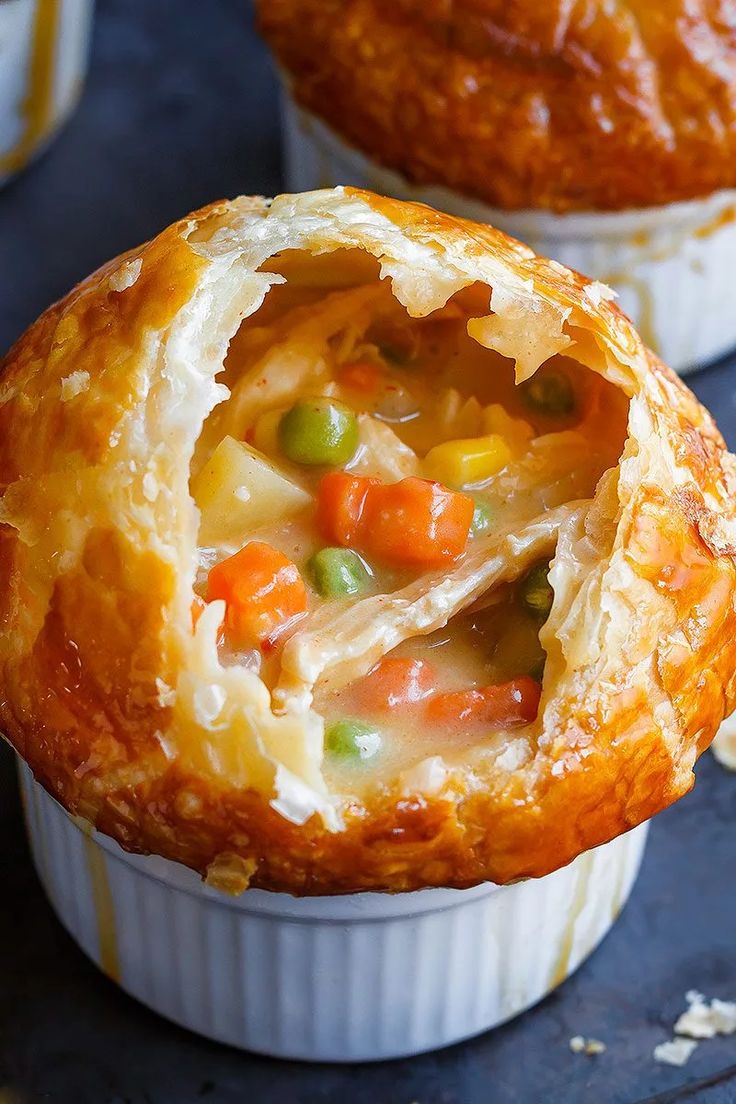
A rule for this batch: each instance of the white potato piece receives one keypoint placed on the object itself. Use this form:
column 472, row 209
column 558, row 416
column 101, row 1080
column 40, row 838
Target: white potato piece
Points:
column 239, row 490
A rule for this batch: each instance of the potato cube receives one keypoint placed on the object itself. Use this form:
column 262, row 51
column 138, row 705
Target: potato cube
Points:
column 238, row 491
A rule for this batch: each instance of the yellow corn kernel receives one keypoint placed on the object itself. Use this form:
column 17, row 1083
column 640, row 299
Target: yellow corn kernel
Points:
column 465, row 462
column 516, row 432
column 266, row 432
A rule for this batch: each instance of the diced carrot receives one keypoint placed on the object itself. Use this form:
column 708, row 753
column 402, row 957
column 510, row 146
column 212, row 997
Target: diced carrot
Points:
column 340, row 504
column 506, row 705
column 263, row 591
column 416, row 522
column 454, row 707
column 364, row 376
column 394, row 683
column 413, row 523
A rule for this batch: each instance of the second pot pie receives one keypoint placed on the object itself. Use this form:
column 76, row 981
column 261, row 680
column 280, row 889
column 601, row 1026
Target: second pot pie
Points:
column 601, row 134
column 347, row 545
column 554, row 106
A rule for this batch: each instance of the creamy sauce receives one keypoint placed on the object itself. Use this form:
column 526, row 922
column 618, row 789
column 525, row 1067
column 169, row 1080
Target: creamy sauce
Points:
column 475, row 650
column 413, row 384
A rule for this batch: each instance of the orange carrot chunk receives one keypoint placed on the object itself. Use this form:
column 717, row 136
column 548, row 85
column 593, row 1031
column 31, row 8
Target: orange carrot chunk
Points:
column 364, row 376
column 340, row 504
column 417, row 522
column 413, row 523
column 264, row 594
column 503, row 706
column 394, row 683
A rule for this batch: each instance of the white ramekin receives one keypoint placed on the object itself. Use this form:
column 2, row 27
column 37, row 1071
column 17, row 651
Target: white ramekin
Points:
column 672, row 266
column 361, row 977
column 43, row 59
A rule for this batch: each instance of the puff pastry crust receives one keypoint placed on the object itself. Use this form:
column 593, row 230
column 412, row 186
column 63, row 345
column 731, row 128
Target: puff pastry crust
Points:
column 555, row 105
column 126, row 716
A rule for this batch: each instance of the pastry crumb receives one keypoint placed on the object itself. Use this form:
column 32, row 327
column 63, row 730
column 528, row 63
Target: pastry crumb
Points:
column 230, row 873
column 724, row 745
column 597, row 292
column 675, row 1052
column 166, row 693
column 516, row 754
column 704, row 1020
column 125, row 276
column 427, row 777
column 581, row 1045
column 150, row 486
column 74, row 385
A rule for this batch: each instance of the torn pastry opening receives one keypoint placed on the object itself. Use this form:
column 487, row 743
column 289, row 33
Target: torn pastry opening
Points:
column 380, row 502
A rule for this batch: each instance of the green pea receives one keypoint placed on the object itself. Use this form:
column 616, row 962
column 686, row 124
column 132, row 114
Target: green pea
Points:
column 351, row 739
column 536, row 592
column 319, row 431
column 549, row 393
column 337, row 572
column 482, row 517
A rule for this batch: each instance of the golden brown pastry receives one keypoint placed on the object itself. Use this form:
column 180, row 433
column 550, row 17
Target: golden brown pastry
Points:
column 526, row 104
column 289, row 620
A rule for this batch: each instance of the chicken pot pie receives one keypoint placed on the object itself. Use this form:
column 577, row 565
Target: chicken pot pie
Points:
column 347, row 545
column 525, row 105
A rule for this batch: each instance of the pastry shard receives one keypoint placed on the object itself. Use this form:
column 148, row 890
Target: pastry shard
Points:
column 173, row 743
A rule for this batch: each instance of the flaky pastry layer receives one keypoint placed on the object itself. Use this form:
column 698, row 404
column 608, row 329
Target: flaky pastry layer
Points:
column 127, row 716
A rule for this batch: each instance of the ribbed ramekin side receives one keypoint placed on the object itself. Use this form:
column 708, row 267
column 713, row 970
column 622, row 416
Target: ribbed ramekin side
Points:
column 301, row 979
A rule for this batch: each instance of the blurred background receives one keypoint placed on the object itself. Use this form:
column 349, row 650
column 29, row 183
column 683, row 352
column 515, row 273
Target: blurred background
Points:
column 180, row 107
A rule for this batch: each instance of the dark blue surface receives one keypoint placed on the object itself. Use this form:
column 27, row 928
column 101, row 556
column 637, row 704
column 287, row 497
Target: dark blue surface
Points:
column 180, row 108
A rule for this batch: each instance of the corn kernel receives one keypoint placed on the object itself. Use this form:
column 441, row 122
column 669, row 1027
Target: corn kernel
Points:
column 516, row 432
column 465, row 462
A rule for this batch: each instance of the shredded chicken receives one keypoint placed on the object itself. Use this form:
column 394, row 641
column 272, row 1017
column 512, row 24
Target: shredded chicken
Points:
column 541, row 492
column 457, row 416
column 382, row 453
column 338, row 647
column 290, row 357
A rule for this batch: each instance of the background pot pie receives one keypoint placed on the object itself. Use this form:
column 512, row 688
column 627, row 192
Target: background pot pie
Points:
column 527, row 105
column 347, row 545
column 603, row 135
